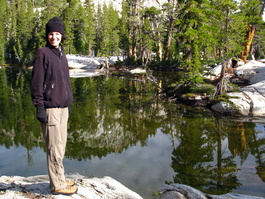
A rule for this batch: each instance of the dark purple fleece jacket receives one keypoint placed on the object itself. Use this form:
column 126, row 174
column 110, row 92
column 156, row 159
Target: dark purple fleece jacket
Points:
column 50, row 84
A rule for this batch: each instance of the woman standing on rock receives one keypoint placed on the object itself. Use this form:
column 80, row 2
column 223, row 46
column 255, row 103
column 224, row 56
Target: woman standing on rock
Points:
column 52, row 95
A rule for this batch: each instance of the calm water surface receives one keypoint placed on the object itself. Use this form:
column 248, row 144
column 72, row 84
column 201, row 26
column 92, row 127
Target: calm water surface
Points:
column 119, row 127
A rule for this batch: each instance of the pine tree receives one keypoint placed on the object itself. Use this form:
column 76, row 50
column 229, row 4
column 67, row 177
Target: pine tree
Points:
column 99, row 31
column 24, row 30
column 258, row 44
column 80, row 30
column 73, row 17
column 13, row 47
column 169, row 10
column 33, row 15
column 113, row 20
column 229, row 34
column 252, row 10
column 90, row 32
column 54, row 8
column 191, row 18
column 3, row 19
column 145, row 42
column 152, row 28
column 123, row 30
column 107, row 31
column 133, row 16
column 230, row 28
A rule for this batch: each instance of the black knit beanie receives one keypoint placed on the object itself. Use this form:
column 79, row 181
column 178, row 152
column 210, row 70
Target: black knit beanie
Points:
column 55, row 25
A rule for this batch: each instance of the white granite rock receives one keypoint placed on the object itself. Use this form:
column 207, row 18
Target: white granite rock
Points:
column 251, row 65
column 251, row 100
column 180, row 191
column 241, row 102
column 223, row 107
column 17, row 187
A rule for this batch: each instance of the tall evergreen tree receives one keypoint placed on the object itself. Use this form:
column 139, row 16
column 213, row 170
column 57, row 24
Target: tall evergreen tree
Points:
column 3, row 19
column 99, row 30
column 123, row 30
column 54, row 7
column 133, row 16
column 113, row 20
column 90, row 32
column 153, row 28
column 107, row 31
column 146, row 42
column 230, row 34
column 169, row 9
column 258, row 44
column 252, row 10
column 74, row 21
column 18, row 31
column 191, row 18
column 80, row 39
column 11, row 32
column 230, row 28
column 25, row 30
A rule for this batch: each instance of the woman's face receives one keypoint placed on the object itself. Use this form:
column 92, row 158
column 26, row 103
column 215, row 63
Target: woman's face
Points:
column 54, row 38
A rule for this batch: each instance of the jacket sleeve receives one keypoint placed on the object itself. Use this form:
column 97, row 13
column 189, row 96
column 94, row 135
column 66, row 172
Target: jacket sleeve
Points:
column 37, row 81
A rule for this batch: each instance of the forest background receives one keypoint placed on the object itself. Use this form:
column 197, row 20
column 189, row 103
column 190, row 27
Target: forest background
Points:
column 179, row 33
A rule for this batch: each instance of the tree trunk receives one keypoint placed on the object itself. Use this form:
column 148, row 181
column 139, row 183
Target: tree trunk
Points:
column 133, row 27
column 168, row 39
column 248, row 43
column 221, row 84
column 134, row 44
column 159, row 48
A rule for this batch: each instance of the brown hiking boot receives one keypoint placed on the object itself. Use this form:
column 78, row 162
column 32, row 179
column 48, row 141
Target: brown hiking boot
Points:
column 70, row 183
column 66, row 191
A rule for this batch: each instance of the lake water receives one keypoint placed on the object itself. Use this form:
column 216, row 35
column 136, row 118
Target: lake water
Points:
column 120, row 127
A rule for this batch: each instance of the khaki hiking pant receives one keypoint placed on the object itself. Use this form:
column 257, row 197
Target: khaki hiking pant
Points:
column 55, row 135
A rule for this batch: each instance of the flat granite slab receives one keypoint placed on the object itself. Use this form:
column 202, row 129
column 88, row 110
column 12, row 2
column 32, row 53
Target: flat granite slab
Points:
column 17, row 187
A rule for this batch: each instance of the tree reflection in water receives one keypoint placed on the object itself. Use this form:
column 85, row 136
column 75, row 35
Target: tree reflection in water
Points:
column 113, row 115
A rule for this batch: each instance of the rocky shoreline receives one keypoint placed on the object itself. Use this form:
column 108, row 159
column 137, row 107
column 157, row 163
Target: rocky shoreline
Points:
column 37, row 187
column 249, row 101
column 17, row 187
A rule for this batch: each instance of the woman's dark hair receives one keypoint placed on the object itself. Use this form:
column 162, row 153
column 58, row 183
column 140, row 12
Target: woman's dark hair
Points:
column 62, row 41
column 63, row 38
